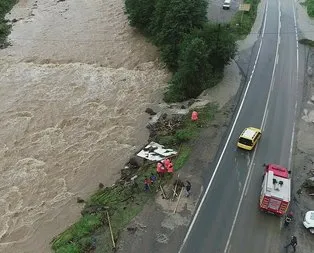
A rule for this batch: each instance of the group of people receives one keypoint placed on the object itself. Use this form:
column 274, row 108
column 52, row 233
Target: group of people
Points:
column 293, row 242
column 164, row 166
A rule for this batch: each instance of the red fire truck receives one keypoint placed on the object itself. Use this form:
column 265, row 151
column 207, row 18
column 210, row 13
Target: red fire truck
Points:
column 276, row 190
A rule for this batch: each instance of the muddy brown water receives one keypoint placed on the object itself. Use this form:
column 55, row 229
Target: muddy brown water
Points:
column 74, row 86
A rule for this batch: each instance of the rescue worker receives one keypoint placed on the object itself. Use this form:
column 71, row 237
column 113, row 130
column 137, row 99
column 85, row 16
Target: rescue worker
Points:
column 194, row 116
column 288, row 218
column 147, row 183
column 166, row 162
column 170, row 167
column 153, row 178
column 292, row 243
column 187, row 188
column 160, row 169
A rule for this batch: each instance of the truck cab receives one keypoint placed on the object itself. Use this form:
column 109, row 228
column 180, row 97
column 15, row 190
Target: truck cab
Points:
column 276, row 190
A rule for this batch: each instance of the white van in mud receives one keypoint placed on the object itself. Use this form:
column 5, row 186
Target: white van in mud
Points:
column 226, row 4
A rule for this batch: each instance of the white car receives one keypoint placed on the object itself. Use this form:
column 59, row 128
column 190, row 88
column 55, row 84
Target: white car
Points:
column 309, row 221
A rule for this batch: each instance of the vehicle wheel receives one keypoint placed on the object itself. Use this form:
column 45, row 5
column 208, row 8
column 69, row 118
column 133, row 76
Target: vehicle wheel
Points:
column 311, row 230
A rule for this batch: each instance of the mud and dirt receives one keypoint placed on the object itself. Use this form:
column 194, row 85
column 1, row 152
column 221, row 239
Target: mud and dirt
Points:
column 74, row 87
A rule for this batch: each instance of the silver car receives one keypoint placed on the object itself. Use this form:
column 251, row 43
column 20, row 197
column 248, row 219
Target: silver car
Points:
column 309, row 221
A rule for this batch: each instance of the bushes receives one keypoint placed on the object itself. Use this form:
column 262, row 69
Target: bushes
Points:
column 310, row 8
column 76, row 238
column 171, row 21
column 194, row 50
column 140, row 13
column 242, row 24
column 203, row 55
column 194, row 70
column 5, row 6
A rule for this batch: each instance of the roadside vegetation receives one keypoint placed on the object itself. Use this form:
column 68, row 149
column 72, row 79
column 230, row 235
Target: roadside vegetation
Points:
column 5, row 7
column 309, row 7
column 242, row 23
column 307, row 42
column 125, row 199
column 192, row 48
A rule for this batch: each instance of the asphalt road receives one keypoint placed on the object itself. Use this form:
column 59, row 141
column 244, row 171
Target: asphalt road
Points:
column 222, row 225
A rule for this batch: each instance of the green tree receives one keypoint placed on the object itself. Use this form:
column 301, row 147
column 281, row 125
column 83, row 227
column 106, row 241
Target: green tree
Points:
column 194, row 70
column 140, row 13
column 221, row 44
column 172, row 20
column 202, row 57
column 5, row 7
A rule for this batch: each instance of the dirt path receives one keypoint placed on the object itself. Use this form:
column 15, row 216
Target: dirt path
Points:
column 74, row 86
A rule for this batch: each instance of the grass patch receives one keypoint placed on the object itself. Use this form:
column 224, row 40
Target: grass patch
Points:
column 5, row 7
column 124, row 200
column 242, row 23
column 184, row 153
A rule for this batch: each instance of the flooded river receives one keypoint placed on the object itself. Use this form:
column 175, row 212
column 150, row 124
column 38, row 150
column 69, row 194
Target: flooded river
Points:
column 74, row 86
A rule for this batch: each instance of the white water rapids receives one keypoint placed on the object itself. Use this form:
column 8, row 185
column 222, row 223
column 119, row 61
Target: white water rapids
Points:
column 74, row 86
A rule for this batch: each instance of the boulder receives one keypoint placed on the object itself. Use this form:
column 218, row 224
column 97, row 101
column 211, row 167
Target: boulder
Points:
column 150, row 111
column 80, row 200
column 135, row 162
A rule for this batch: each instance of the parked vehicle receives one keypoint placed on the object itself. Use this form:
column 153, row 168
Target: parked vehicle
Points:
column 276, row 190
column 226, row 4
column 308, row 221
column 249, row 138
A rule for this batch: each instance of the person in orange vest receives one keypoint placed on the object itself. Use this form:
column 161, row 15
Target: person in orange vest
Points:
column 166, row 162
column 170, row 167
column 160, row 169
column 194, row 116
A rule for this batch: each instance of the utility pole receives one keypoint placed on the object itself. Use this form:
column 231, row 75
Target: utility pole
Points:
column 218, row 34
column 217, row 43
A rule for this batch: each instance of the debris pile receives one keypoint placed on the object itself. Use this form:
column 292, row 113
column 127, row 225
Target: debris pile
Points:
column 165, row 125
column 309, row 185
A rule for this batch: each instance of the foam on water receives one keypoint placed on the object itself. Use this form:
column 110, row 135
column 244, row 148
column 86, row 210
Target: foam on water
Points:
column 67, row 123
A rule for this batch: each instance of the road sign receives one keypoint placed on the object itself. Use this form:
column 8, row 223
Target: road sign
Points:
column 244, row 7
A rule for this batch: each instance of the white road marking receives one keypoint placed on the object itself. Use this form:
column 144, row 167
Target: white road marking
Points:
column 248, row 159
column 250, row 172
column 229, row 248
column 274, row 69
column 239, row 205
column 297, row 82
column 229, row 136
column 263, row 126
